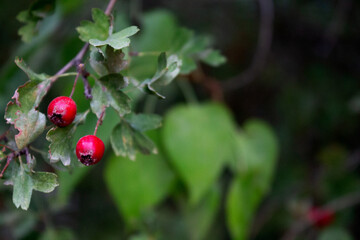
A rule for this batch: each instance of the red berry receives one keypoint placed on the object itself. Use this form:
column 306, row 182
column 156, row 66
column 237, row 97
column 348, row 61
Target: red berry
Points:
column 61, row 111
column 321, row 217
column 89, row 150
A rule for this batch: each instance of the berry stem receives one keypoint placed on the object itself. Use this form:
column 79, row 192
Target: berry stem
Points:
column 73, row 88
column 3, row 145
column 100, row 120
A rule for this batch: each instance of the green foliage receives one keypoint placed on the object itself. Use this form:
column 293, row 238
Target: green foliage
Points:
column 138, row 186
column 117, row 40
column 60, row 139
column 335, row 233
column 32, row 16
column 191, row 138
column 255, row 162
column 127, row 136
column 99, row 29
column 168, row 69
column 25, row 182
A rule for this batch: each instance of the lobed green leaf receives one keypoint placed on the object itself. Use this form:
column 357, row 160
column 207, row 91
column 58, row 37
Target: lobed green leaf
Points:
column 98, row 29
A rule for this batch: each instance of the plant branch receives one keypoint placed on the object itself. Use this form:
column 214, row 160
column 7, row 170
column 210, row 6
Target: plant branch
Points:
column 11, row 156
column 80, row 55
column 100, row 120
column 84, row 75
column 262, row 48
column 73, row 88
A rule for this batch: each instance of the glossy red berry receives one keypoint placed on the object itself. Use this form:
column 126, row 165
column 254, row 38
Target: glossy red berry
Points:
column 89, row 150
column 321, row 217
column 62, row 111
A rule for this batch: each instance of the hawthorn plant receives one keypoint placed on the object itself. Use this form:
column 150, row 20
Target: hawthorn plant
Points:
column 105, row 59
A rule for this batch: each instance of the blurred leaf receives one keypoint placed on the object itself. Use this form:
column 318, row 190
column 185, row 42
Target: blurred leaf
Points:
column 200, row 217
column 163, row 76
column 30, row 125
column 199, row 140
column 38, row 11
column 335, row 233
column 257, row 151
column 122, row 141
column 57, row 234
column 115, row 60
column 213, row 57
column 125, row 140
column 256, row 156
column 114, row 80
column 60, row 147
column 98, row 29
column 117, row 40
column 97, row 61
column 144, row 122
column 158, row 30
column 30, row 73
column 44, row 181
column 138, row 186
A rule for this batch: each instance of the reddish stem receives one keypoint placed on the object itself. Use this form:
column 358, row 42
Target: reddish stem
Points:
column 73, row 88
column 100, row 120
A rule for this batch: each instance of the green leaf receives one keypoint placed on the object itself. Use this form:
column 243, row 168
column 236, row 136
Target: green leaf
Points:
column 213, row 57
column 28, row 31
column 30, row 73
column 114, row 80
column 97, row 61
column 241, row 204
column 115, row 60
column 23, row 186
column 27, row 96
column 335, row 233
column 60, row 148
column 257, row 151
column 99, row 100
column 199, row 140
column 163, row 76
column 158, row 30
column 144, row 122
column 115, row 97
column 119, row 101
column 98, row 29
column 44, row 181
column 199, row 218
column 138, row 186
column 125, row 140
column 30, row 126
column 122, row 141
column 31, row 18
column 144, row 144
column 25, row 182
column 117, row 40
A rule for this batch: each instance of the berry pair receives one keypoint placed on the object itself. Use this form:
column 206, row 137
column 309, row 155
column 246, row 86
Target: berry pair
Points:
column 89, row 149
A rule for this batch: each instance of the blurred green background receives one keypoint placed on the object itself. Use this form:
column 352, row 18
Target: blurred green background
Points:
column 308, row 91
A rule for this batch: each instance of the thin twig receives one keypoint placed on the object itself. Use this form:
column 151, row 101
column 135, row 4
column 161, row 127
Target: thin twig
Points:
column 3, row 145
column 78, row 58
column 262, row 48
column 84, row 76
column 73, row 88
column 100, row 120
column 10, row 157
